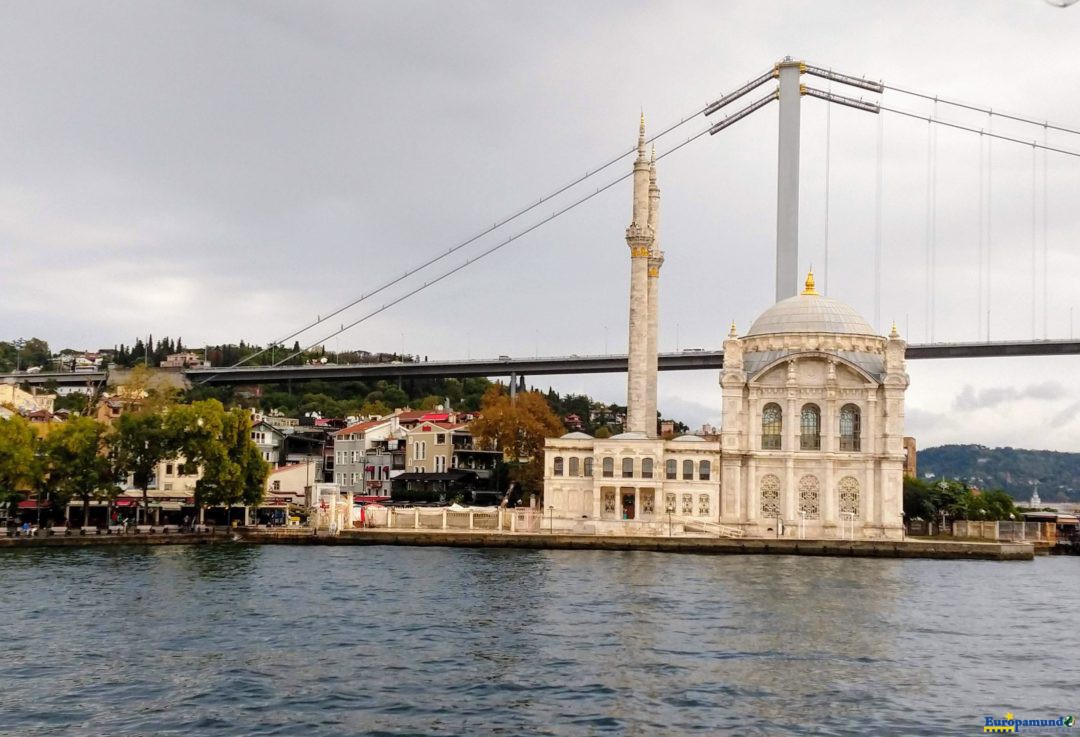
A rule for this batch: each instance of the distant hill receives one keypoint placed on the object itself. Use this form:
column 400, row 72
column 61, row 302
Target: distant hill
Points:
column 1013, row 469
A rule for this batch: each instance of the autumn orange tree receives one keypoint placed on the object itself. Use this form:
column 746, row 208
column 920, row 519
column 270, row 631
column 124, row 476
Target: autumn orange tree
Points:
column 518, row 428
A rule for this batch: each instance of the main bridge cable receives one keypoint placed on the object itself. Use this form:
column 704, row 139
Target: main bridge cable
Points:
column 482, row 254
column 987, row 111
column 721, row 125
column 498, row 224
column 988, row 134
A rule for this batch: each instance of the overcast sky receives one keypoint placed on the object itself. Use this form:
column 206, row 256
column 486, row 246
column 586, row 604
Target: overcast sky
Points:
column 229, row 170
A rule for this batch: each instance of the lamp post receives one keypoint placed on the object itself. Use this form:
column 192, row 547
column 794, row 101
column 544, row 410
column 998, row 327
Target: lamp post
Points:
column 551, row 519
column 670, row 510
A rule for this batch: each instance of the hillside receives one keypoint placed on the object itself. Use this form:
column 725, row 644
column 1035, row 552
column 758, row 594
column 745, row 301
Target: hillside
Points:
column 1013, row 469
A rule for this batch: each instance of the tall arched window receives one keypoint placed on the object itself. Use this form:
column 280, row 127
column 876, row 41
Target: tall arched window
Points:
column 688, row 470
column 628, row 468
column 671, row 468
column 772, row 426
column 558, row 465
column 574, row 466
column 850, row 428
column 646, row 468
column 588, row 466
column 810, row 437
column 704, row 470
column 609, row 467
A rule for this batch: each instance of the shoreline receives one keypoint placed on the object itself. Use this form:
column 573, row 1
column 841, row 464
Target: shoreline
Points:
column 927, row 549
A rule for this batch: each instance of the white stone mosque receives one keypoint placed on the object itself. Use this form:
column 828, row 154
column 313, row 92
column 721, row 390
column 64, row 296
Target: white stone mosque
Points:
column 811, row 441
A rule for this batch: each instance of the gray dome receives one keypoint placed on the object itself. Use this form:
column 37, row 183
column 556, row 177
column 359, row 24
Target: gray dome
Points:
column 576, row 436
column 810, row 313
column 631, row 435
column 689, row 439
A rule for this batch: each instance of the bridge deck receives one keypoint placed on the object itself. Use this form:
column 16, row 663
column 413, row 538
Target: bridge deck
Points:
column 682, row 361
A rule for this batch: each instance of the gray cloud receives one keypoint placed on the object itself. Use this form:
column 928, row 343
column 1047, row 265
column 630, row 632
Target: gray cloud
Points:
column 229, row 170
column 969, row 399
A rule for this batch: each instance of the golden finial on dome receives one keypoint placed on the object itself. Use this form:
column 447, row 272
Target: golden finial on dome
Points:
column 810, row 284
column 733, row 333
column 641, row 126
column 894, row 333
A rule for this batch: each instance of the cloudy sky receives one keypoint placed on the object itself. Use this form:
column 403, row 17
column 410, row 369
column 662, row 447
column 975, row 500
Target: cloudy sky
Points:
column 229, row 170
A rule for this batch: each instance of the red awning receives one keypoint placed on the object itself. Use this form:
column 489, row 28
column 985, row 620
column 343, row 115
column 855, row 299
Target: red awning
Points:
column 32, row 504
column 126, row 501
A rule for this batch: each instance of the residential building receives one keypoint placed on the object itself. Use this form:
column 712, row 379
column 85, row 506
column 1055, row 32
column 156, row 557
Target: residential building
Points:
column 437, row 447
column 184, row 360
column 367, row 455
column 270, row 441
column 24, row 401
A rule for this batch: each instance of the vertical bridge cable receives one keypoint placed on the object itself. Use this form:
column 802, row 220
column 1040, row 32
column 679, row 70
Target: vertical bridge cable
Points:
column 1034, row 247
column 989, row 224
column 877, row 221
column 1045, row 218
column 933, row 232
column 926, row 235
column 982, row 223
column 828, row 157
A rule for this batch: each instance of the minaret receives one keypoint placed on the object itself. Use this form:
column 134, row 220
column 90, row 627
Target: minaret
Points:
column 639, row 238
column 656, row 260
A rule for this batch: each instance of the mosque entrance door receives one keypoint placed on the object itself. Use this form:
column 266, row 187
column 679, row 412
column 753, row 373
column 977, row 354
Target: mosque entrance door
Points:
column 628, row 505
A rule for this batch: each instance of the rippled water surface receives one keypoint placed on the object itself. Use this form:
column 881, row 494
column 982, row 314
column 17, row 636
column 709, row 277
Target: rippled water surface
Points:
column 236, row 640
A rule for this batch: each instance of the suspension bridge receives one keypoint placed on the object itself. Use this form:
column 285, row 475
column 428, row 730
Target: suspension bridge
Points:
column 785, row 83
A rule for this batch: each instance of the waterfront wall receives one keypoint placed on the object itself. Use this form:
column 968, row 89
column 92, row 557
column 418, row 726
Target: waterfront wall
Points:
column 951, row 550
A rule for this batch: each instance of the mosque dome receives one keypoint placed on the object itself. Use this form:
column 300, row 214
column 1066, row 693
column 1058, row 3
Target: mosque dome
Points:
column 689, row 439
column 810, row 312
column 576, row 436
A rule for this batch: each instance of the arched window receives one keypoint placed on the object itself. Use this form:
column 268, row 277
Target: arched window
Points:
column 671, row 469
column 688, row 470
column 608, row 467
column 809, row 497
column 575, row 466
column 849, row 496
column 704, row 470
column 628, row 468
column 810, row 438
column 850, row 428
column 770, row 495
column 646, row 468
column 588, row 466
column 558, row 465
column 772, row 426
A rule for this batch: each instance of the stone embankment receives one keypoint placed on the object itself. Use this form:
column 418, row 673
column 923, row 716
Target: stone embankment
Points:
column 90, row 541
column 948, row 550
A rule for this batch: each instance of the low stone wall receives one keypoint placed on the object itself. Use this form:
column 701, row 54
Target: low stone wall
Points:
column 699, row 545
column 89, row 541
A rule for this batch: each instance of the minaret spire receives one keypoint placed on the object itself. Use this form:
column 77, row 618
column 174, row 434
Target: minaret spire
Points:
column 656, row 260
column 639, row 237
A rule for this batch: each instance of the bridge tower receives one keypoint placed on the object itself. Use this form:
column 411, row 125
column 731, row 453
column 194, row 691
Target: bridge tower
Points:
column 787, row 180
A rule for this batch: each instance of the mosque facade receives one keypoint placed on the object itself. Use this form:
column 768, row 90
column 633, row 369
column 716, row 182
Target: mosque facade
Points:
column 811, row 440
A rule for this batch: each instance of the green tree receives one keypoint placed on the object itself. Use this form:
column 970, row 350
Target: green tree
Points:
column 142, row 441
column 219, row 441
column 19, row 466
column 77, row 459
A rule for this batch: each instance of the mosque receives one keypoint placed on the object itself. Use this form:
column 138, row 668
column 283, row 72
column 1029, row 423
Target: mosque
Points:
column 811, row 441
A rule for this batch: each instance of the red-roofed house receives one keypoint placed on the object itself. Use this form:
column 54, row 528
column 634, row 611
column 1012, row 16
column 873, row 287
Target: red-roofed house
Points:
column 368, row 454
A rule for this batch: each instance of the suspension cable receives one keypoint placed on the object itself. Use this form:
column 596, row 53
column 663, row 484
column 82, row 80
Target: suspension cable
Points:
column 454, row 249
column 488, row 252
column 989, row 224
column 1034, row 247
column 990, row 133
column 982, row 225
column 828, row 156
column 1046, row 253
column 878, row 197
column 926, row 233
column 987, row 111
